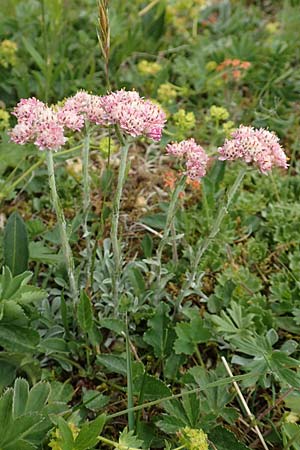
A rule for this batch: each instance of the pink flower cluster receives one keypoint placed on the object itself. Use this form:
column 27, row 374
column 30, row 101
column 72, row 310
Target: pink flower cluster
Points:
column 134, row 115
column 195, row 157
column 44, row 126
column 37, row 123
column 258, row 146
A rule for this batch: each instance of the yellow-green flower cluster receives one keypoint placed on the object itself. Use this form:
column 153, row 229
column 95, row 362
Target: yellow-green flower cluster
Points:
column 107, row 145
column 148, row 68
column 211, row 66
column 218, row 113
column 228, row 128
column 8, row 50
column 56, row 437
column 272, row 27
column 4, row 120
column 193, row 439
column 184, row 121
column 166, row 93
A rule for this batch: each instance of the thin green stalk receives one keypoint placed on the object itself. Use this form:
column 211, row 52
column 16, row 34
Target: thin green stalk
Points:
column 169, row 220
column 210, row 238
column 86, row 200
column 130, row 402
column 61, row 221
column 115, row 222
column 218, row 383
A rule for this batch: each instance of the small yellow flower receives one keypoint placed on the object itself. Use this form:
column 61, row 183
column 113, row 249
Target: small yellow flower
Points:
column 218, row 113
column 272, row 27
column 185, row 121
column 228, row 128
column 4, row 120
column 166, row 93
column 8, row 50
column 193, row 439
column 211, row 66
column 291, row 417
column 56, row 436
column 148, row 68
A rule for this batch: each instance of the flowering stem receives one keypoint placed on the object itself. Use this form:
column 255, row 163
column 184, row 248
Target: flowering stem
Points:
column 86, row 199
column 168, row 226
column 115, row 221
column 61, row 221
column 207, row 241
column 130, row 402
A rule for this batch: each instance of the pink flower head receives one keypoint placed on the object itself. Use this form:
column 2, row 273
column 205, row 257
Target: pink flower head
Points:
column 258, row 146
column 37, row 123
column 134, row 115
column 79, row 108
column 195, row 157
column 28, row 109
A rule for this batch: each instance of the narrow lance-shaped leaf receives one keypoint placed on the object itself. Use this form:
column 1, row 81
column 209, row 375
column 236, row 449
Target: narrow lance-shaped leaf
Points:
column 15, row 246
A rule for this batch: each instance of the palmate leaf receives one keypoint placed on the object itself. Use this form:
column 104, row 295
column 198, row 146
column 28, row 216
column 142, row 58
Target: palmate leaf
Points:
column 190, row 334
column 23, row 418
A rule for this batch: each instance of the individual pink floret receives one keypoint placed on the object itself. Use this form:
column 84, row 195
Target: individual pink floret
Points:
column 195, row 157
column 255, row 146
column 134, row 115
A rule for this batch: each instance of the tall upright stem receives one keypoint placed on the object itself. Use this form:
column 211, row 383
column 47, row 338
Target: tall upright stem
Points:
column 209, row 239
column 130, row 403
column 86, row 200
column 61, row 221
column 115, row 222
column 169, row 220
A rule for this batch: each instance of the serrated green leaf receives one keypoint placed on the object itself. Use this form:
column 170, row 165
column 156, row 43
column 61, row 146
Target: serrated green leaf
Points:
column 89, row 433
column 38, row 397
column 224, row 439
column 158, row 332
column 152, row 388
column 113, row 363
column 190, row 334
column 20, row 397
column 94, row 400
column 15, row 244
column 129, row 440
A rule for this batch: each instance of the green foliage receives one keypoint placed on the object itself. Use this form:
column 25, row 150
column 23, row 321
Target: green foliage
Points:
column 244, row 302
column 15, row 244
column 24, row 415
column 190, row 334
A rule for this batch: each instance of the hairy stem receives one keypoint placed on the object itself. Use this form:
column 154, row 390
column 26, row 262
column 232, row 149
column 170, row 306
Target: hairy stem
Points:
column 129, row 380
column 115, row 222
column 210, row 238
column 61, row 221
column 86, row 200
column 168, row 226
